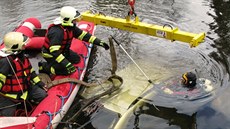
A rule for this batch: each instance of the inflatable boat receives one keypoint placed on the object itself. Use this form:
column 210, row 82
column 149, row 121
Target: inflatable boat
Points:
column 53, row 108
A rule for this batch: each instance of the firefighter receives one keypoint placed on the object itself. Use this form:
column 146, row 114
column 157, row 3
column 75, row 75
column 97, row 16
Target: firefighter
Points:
column 56, row 49
column 18, row 80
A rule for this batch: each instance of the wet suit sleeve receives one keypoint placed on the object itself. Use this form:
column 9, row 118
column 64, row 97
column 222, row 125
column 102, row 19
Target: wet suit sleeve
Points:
column 4, row 71
column 85, row 36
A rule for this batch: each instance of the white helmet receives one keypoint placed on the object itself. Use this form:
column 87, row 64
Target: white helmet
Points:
column 14, row 41
column 67, row 15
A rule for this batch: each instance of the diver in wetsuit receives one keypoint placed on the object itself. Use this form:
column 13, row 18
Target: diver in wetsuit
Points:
column 190, row 84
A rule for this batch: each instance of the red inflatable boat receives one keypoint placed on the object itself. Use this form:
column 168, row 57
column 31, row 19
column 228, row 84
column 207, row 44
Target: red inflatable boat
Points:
column 54, row 107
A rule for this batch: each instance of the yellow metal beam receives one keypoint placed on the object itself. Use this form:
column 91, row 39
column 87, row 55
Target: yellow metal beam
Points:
column 167, row 32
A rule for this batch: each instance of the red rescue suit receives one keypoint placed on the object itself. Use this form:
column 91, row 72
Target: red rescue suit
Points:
column 16, row 76
column 67, row 38
column 16, row 84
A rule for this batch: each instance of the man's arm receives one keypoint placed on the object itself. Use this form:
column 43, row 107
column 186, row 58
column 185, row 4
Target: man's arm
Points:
column 4, row 71
column 87, row 37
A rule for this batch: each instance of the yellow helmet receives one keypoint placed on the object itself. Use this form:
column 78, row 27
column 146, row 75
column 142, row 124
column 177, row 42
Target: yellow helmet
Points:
column 67, row 15
column 14, row 41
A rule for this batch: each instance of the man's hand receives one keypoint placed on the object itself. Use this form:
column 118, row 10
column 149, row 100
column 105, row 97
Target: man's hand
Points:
column 105, row 45
column 42, row 85
column 45, row 88
column 70, row 68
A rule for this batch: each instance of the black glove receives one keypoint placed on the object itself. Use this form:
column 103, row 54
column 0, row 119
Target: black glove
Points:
column 42, row 85
column 70, row 68
column 103, row 44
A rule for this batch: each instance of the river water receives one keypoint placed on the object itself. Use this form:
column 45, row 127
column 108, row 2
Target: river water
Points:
column 159, row 58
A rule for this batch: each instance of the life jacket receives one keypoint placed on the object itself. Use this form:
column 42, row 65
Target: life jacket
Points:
column 66, row 42
column 18, row 81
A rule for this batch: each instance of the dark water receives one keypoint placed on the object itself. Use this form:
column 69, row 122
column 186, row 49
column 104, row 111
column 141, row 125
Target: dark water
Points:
column 160, row 58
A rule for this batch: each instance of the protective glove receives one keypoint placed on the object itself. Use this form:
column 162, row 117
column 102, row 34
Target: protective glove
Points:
column 42, row 85
column 103, row 44
column 70, row 68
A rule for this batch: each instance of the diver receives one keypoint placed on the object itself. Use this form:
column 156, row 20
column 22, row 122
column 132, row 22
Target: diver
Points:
column 189, row 85
column 190, row 80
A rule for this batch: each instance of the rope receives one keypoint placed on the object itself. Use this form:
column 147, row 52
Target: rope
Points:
column 10, row 106
column 70, row 80
column 24, row 102
column 96, row 97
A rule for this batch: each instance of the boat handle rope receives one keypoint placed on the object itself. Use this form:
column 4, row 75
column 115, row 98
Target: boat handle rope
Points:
column 84, row 58
column 48, row 113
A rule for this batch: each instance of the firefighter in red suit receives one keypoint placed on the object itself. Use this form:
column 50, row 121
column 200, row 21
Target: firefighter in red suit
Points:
column 56, row 49
column 18, row 80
